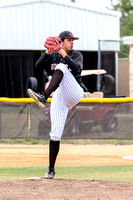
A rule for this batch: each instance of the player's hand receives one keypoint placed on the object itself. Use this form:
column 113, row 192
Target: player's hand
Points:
column 48, row 51
column 53, row 43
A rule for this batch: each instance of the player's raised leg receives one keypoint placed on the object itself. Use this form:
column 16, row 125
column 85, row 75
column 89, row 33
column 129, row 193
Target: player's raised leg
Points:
column 54, row 83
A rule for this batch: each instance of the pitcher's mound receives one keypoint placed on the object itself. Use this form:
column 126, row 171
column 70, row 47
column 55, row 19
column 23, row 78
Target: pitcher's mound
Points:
column 44, row 189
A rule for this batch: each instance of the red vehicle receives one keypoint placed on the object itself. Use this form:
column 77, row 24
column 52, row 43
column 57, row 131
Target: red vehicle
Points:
column 82, row 118
column 97, row 114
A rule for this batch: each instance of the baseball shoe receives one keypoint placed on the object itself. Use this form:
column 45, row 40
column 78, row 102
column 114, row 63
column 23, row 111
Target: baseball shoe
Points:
column 39, row 98
column 49, row 174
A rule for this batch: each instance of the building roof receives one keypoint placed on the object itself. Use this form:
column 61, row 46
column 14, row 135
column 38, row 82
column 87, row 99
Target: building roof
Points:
column 25, row 24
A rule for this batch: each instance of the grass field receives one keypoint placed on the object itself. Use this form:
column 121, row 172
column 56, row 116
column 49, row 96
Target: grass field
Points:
column 111, row 173
column 85, row 170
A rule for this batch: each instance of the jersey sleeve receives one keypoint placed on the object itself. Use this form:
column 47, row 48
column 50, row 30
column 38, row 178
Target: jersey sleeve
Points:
column 44, row 62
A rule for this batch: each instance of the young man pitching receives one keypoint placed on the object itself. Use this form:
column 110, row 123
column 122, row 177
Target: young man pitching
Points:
column 66, row 65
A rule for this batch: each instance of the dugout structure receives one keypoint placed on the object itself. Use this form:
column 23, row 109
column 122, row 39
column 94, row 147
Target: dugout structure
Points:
column 103, row 118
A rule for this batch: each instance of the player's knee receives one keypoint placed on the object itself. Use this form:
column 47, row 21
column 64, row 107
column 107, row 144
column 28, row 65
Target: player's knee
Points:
column 61, row 67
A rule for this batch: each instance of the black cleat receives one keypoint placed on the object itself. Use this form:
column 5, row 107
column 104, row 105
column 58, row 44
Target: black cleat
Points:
column 39, row 98
column 49, row 174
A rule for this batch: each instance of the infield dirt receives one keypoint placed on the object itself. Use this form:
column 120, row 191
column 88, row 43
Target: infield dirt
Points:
column 61, row 189
column 65, row 190
column 69, row 155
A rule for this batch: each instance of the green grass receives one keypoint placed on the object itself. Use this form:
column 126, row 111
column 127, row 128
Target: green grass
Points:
column 31, row 141
column 110, row 173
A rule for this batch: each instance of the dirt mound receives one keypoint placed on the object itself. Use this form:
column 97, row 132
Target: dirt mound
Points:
column 65, row 189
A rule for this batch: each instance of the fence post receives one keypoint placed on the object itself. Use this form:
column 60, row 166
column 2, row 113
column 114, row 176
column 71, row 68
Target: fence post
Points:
column 28, row 120
column 99, row 67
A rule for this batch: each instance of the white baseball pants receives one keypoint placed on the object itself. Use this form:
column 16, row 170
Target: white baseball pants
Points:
column 67, row 95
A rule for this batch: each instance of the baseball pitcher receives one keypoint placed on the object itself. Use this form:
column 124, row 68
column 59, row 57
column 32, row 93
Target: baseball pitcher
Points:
column 66, row 65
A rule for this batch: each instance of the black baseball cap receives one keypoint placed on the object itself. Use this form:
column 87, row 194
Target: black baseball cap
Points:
column 67, row 34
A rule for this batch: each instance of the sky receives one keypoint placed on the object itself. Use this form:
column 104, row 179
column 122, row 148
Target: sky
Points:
column 96, row 4
column 102, row 4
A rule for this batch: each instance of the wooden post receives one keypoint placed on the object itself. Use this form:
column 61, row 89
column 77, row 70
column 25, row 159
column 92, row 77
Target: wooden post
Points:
column 131, row 71
column 129, row 40
column 0, row 123
column 28, row 120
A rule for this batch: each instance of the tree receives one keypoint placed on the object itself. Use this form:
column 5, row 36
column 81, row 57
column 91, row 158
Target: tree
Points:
column 126, row 22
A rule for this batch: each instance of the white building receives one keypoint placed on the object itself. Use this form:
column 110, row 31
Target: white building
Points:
column 24, row 26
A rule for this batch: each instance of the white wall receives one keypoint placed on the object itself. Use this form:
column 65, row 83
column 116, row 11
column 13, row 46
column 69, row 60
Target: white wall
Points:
column 26, row 25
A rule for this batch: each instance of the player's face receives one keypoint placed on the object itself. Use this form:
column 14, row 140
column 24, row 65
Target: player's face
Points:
column 67, row 44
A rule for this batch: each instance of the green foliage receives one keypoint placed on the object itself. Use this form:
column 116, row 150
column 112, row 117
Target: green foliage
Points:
column 126, row 22
column 124, row 51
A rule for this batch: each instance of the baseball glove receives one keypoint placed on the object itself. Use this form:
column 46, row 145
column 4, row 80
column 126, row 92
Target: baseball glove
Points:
column 53, row 43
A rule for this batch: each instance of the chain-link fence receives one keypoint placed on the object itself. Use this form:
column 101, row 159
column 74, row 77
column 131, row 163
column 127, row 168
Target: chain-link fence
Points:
column 84, row 121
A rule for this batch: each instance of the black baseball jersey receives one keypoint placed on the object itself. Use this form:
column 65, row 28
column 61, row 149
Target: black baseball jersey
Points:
column 73, row 60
